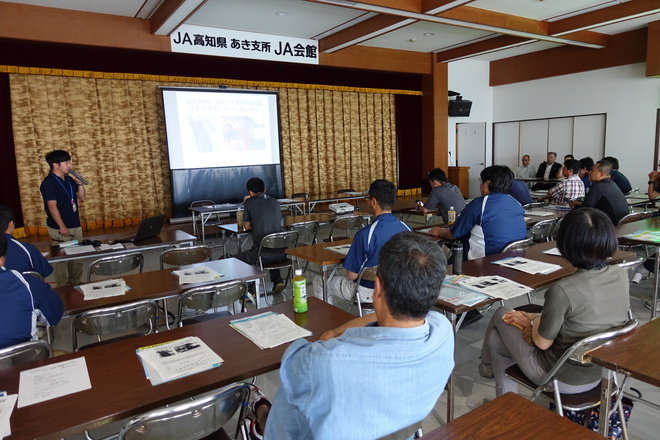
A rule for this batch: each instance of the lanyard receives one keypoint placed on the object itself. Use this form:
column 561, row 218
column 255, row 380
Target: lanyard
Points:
column 62, row 185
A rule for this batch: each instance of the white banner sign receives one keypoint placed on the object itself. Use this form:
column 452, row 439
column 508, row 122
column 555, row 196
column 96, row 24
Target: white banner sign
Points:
column 203, row 40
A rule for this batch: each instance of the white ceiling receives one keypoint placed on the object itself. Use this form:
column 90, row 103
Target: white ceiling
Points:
column 318, row 19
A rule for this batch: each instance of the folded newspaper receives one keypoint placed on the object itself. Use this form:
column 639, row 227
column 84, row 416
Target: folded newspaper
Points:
column 528, row 266
column 495, row 286
column 269, row 329
column 176, row 359
column 103, row 289
column 200, row 274
column 340, row 249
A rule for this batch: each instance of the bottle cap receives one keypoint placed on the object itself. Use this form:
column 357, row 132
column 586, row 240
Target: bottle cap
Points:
column 451, row 208
column 298, row 271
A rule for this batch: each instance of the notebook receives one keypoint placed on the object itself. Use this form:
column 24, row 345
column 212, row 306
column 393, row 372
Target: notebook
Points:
column 149, row 227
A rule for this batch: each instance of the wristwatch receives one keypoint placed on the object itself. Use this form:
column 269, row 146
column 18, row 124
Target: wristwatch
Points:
column 650, row 182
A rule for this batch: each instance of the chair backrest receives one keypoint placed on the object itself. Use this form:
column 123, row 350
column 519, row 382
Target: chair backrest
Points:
column 204, row 298
column 185, row 255
column 542, row 231
column 190, row 420
column 367, row 274
column 346, row 223
column 306, row 231
column 116, row 265
column 197, row 203
column 635, row 217
column 279, row 240
column 519, row 244
column 33, row 273
column 533, row 205
column 24, row 353
column 345, row 190
column 577, row 350
column 302, row 195
column 631, row 264
column 110, row 320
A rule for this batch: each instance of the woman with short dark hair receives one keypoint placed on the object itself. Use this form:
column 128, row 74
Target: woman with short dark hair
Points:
column 592, row 300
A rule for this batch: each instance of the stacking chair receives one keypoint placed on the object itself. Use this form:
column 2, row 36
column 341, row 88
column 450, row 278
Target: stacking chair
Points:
column 185, row 255
column 204, row 298
column 214, row 221
column 307, row 231
column 520, row 244
column 345, row 190
column 542, row 231
column 368, row 274
column 24, row 353
column 347, row 223
column 200, row 418
column 405, row 433
column 112, row 320
column 33, row 273
column 116, row 265
column 278, row 240
column 301, row 195
column 533, row 205
column 549, row 384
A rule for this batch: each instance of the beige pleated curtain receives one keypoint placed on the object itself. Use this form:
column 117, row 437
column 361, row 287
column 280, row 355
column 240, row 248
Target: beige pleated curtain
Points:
column 331, row 138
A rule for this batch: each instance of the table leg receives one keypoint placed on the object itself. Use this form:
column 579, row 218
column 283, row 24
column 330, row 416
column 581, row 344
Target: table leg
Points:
column 224, row 244
column 655, row 283
column 203, row 222
column 324, row 283
column 605, row 393
column 194, row 221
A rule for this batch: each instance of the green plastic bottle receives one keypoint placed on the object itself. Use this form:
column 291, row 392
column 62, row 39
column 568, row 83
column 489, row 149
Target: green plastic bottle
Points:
column 299, row 292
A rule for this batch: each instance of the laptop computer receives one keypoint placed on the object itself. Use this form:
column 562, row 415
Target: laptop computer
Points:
column 149, row 227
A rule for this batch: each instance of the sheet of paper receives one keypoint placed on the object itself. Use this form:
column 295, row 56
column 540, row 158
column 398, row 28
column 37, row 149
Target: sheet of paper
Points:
column 175, row 359
column 51, row 381
column 104, row 288
column 341, row 249
column 269, row 329
column 495, row 286
column 79, row 249
column 6, row 408
column 528, row 266
column 553, row 251
column 646, row 235
column 538, row 213
column 286, row 200
column 201, row 274
column 107, row 247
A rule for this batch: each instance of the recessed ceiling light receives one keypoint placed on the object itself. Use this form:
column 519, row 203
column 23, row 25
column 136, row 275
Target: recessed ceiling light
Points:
column 282, row 13
column 429, row 34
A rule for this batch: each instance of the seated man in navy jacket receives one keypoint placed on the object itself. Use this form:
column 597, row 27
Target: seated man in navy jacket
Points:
column 23, row 300
column 22, row 257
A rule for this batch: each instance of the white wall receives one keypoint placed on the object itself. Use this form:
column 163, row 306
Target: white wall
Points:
column 470, row 79
column 625, row 94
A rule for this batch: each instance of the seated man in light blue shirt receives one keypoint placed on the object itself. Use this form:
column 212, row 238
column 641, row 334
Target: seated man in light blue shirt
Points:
column 394, row 362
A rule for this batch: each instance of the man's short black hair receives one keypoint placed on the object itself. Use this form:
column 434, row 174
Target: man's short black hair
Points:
column 573, row 165
column 411, row 269
column 614, row 161
column 586, row 238
column 256, row 185
column 587, row 162
column 570, row 156
column 500, row 176
column 57, row 156
column 3, row 245
column 436, row 174
column 552, row 152
column 384, row 192
column 605, row 167
column 6, row 216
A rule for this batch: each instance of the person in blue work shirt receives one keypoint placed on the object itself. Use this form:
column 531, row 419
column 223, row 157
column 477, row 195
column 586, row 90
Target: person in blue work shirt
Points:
column 23, row 300
column 366, row 245
column 490, row 222
column 22, row 257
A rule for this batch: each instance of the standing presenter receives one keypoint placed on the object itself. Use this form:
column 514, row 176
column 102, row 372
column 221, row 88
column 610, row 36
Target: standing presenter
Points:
column 61, row 194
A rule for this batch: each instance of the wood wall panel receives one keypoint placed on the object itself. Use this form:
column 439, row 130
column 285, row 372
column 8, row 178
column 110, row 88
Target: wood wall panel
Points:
column 653, row 50
column 625, row 48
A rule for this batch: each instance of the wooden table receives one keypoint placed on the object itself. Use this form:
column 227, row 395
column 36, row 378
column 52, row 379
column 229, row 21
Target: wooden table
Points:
column 166, row 238
column 511, row 417
column 120, row 388
column 159, row 284
column 635, row 355
column 629, row 228
column 317, row 253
